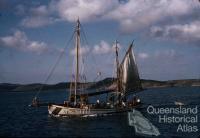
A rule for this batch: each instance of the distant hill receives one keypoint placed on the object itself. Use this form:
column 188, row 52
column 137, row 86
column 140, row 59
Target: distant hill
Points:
column 170, row 83
column 108, row 83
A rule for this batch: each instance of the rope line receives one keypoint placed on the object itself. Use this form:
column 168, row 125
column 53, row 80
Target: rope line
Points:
column 54, row 66
column 93, row 58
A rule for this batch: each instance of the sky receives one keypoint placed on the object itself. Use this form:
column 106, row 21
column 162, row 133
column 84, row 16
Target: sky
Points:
column 35, row 34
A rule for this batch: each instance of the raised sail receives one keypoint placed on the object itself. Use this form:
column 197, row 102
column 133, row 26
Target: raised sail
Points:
column 129, row 76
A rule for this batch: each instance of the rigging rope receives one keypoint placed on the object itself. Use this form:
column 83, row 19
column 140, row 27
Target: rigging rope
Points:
column 93, row 58
column 53, row 68
column 99, row 73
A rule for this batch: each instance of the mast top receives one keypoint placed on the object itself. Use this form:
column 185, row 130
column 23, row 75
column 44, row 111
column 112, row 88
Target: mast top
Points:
column 116, row 46
column 78, row 22
column 78, row 26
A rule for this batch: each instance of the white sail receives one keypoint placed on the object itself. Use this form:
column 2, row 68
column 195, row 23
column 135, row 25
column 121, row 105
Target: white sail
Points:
column 130, row 80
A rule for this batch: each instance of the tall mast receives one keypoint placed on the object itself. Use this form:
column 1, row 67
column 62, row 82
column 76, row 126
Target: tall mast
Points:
column 117, row 66
column 77, row 58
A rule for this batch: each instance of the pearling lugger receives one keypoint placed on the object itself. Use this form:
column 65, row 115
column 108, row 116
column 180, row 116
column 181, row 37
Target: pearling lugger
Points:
column 126, row 84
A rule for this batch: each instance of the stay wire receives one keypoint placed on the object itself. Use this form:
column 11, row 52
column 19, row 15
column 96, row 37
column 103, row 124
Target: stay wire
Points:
column 93, row 58
column 54, row 66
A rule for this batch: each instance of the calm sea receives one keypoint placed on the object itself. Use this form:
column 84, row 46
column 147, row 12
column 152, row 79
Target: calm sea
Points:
column 17, row 119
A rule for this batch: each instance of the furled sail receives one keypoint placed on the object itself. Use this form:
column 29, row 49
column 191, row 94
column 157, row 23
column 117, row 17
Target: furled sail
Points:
column 129, row 76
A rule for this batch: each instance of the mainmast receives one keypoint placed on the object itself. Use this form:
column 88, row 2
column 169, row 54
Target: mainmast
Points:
column 77, row 58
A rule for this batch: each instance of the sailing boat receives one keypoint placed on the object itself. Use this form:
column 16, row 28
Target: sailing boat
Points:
column 128, row 82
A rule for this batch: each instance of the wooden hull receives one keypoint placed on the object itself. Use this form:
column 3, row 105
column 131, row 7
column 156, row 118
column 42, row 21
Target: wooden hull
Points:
column 58, row 110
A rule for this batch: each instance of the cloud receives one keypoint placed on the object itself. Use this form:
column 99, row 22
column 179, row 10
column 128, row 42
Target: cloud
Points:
column 37, row 21
column 67, row 10
column 86, row 10
column 83, row 50
column 37, row 16
column 179, row 32
column 102, row 48
column 40, row 10
column 143, row 55
column 169, row 53
column 135, row 15
column 20, row 41
column 131, row 15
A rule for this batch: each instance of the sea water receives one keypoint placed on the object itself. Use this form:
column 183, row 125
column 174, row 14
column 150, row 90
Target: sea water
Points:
column 17, row 119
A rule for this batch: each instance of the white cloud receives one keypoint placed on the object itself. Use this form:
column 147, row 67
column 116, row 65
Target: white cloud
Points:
column 135, row 15
column 102, row 48
column 20, row 41
column 69, row 10
column 180, row 32
column 131, row 15
column 159, row 55
column 83, row 50
column 39, row 11
column 37, row 16
column 169, row 53
column 143, row 55
column 37, row 47
column 86, row 10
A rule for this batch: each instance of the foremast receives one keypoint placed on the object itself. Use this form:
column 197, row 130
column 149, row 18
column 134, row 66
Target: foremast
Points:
column 117, row 66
